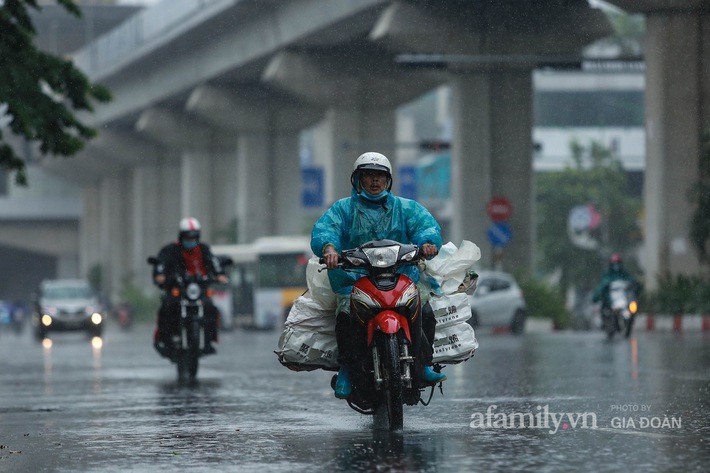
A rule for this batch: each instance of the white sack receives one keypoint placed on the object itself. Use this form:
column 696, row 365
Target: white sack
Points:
column 449, row 267
column 455, row 343
column 307, row 349
column 308, row 313
column 319, row 284
column 308, row 340
column 450, row 309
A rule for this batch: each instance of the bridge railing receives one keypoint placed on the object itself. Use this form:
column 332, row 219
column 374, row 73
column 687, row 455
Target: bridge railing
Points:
column 144, row 31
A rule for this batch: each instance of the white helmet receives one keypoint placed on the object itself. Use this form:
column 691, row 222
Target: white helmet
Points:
column 371, row 160
column 189, row 228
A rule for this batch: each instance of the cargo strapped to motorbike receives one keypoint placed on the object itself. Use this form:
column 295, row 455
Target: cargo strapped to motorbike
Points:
column 308, row 340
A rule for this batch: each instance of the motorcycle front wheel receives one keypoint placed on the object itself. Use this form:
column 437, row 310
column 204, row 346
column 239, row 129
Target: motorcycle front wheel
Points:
column 188, row 360
column 611, row 325
column 392, row 374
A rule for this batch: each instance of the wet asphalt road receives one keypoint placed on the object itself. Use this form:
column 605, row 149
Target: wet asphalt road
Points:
column 586, row 404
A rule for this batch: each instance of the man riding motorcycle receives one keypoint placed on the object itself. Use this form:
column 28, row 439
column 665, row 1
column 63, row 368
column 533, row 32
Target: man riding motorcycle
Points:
column 614, row 272
column 186, row 256
column 373, row 213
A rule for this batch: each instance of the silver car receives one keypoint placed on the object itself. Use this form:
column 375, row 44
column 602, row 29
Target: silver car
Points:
column 498, row 302
column 67, row 304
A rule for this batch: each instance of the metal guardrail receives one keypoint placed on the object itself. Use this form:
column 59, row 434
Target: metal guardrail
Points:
column 162, row 20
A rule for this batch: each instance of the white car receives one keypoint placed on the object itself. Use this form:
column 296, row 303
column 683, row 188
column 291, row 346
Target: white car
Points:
column 498, row 302
column 67, row 304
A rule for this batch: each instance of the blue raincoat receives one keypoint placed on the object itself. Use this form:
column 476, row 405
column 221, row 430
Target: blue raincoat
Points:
column 354, row 220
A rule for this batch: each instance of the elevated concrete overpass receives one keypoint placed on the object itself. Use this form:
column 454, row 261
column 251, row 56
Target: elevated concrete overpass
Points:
column 210, row 97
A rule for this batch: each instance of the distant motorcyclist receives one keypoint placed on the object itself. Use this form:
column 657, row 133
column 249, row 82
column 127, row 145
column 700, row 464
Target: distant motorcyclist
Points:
column 186, row 256
column 372, row 213
column 615, row 272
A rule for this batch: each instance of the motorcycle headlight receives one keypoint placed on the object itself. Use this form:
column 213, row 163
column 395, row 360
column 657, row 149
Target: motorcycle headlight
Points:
column 382, row 257
column 633, row 307
column 193, row 291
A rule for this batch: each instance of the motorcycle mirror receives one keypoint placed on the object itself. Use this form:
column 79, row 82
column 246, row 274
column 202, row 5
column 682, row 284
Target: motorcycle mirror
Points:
column 226, row 260
column 152, row 260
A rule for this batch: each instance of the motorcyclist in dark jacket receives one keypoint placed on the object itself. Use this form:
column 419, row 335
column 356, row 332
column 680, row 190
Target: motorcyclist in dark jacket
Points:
column 187, row 256
column 614, row 272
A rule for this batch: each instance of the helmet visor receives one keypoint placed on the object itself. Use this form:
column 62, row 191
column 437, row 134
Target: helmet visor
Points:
column 374, row 167
column 192, row 234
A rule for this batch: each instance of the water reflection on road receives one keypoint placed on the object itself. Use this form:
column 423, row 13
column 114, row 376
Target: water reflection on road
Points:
column 71, row 406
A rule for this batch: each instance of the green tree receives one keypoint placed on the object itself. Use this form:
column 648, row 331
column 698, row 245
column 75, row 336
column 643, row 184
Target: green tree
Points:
column 629, row 31
column 597, row 178
column 38, row 90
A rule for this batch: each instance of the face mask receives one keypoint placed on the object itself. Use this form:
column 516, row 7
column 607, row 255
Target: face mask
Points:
column 369, row 196
column 189, row 243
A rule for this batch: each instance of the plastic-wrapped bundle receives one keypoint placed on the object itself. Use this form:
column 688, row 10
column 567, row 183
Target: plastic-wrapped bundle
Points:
column 308, row 340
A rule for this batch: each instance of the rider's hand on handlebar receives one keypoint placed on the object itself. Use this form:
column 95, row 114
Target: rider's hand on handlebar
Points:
column 160, row 279
column 429, row 250
column 331, row 257
column 222, row 279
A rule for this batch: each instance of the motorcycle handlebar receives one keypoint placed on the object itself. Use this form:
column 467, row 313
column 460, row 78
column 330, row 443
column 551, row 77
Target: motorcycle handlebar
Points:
column 321, row 260
column 179, row 278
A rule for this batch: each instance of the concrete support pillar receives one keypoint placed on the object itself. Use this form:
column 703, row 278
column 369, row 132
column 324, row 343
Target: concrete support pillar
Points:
column 196, row 196
column 115, row 238
column 492, row 156
column 90, row 230
column 286, row 188
column 146, row 222
column 170, row 183
column 255, row 189
column 344, row 135
column 677, row 112
column 224, row 197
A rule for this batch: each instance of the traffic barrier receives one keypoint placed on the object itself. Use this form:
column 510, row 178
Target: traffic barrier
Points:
column 678, row 323
column 674, row 323
column 650, row 322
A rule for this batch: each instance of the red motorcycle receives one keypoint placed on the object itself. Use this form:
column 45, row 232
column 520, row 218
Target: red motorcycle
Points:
column 386, row 304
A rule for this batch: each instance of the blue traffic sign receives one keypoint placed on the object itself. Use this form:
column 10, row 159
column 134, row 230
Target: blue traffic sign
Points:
column 407, row 182
column 312, row 187
column 499, row 234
